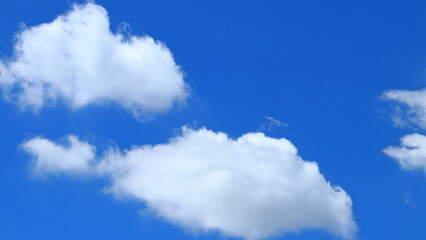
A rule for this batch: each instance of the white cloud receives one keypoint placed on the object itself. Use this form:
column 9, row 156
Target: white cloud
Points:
column 78, row 60
column 411, row 109
column 411, row 154
column 414, row 106
column 252, row 187
column 50, row 157
column 406, row 197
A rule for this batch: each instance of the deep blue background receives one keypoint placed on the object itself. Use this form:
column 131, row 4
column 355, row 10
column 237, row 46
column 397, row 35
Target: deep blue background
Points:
column 319, row 66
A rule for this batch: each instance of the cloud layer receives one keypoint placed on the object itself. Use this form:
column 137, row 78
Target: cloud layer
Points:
column 251, row 187
column 78, row 60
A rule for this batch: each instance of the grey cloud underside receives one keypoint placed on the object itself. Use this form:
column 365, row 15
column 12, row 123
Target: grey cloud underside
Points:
column 78, row 60
column 252, row 187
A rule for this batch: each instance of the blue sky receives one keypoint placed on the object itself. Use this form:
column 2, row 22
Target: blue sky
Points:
column 319, row 67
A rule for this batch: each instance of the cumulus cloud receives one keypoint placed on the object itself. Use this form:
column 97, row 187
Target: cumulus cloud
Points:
column 411, row 154
column 75, row 157
column 413, row 105
column 78, row 60
column 252, row 187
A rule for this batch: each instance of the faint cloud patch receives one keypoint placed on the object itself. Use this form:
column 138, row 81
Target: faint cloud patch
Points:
column 402, row 117
column 407, row 198
column 409, row 107
column 272, row 123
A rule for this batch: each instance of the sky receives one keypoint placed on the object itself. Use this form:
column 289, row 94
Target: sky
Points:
column 212, row 120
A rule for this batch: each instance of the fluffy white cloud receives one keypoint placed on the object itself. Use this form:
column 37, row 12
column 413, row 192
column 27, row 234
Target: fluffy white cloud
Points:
column 252, row 187
column 414, row 106
column 78, row 60
column 50, row 157
column 412, row 152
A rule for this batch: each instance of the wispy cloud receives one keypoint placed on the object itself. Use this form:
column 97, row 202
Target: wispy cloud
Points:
column 272, row 123
column 406, row 197
column 409, row 111
column 410, row 107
